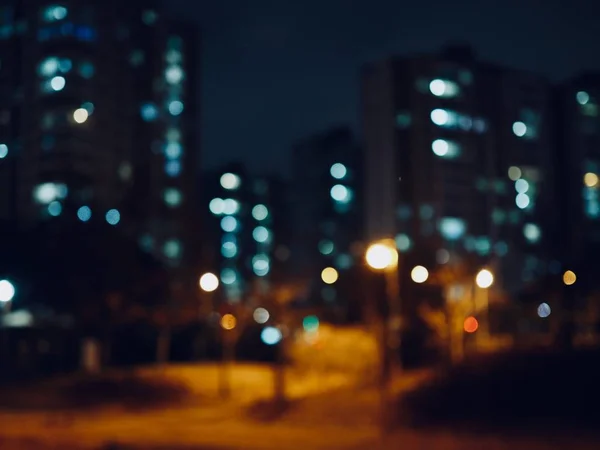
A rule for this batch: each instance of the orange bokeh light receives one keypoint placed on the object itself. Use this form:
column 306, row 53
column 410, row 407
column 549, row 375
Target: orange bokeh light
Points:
column 228, row 322
column 471, row 324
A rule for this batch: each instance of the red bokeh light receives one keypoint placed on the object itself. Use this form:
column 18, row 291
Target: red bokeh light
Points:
column 471, row 324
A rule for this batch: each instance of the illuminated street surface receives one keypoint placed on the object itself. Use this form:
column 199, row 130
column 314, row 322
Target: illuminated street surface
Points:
column 329, row 417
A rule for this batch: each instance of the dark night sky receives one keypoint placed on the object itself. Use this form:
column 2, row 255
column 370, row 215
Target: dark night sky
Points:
column 275, row 71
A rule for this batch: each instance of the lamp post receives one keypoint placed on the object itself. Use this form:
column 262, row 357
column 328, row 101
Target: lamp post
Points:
column 383, row 256
column 484, row 280
column 7, row 293
column 209, row 283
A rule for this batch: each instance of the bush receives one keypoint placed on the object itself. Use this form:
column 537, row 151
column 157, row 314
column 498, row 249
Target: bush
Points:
column 512, row 390
column 129, row 391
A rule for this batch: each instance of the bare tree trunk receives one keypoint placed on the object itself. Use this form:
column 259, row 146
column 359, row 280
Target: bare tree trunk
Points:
column 163, row 346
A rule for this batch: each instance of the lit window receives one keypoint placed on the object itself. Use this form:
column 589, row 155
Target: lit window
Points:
column 514, row 173
column 54, row 209
column 260, row 265
column 261, row 234
column 149, row 112
column 582, row 97
column 49, row 67
column 338, row 171
column 136, row 58
column 403, row 242
column 173, row 57
column 217, row 206
column 89, row 107
column 326, row 247
column 444, row 88
column 172, row 197
column 48, row 192
column 173, row 168
column 452, row 228
column 172, row 249
column 58, row 83
column 260, row 212
column 403, row 120
column 149, row 17
column 230, row 206
column 522, row 200
column 519, row 129
column 3, row 151
column 341, row 193
column 590, row 179
column 444, row 118
column 532, row 232
column 230, row 181
column 113, row 217
column 229, row 224
column 54, row 13
column 175, row 108
column 343, row 261
column 84, row 213
column 173, row 75
column 229, row 249
column 445, row 149
column 173, row 150
column 80, row 115
column 228, row 276
column 86, row 69
column 521, row 186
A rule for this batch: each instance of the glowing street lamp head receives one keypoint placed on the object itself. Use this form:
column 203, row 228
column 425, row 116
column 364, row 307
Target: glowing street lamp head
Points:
column 419, row 274
column 329, row 275
column 7, row 291
column 569, row 278
column 381, row 256
column 209, row 282
column 484, row 279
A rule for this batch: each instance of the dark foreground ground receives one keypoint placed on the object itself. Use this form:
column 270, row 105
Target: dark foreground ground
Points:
column 518, row 401
column 534, row 392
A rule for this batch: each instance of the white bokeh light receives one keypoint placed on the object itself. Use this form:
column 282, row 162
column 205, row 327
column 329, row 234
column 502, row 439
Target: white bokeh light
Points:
column 338, row 171
column 230, row 181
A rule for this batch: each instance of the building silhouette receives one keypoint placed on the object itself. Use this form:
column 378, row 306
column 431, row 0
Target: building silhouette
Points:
column 459, row 158
column 99, row 120
column 247, row 227
column 327, row 201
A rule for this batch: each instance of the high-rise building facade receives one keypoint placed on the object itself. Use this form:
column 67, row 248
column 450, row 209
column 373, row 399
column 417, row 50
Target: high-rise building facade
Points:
column 246, row 231
column 459, row 161
column 578, row 186
column 326, row 201
column 98, row 119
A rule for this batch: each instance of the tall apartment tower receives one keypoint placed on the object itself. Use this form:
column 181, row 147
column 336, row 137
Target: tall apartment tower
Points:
column 459, row 161
column 98, row 119
column 579, row 160
column 326, row 199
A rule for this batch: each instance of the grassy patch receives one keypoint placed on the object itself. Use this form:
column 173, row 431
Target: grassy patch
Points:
column 525, row 392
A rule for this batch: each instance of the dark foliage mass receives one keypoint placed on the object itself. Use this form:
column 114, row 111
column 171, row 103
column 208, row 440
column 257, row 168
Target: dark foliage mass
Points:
column 127, row 391
column 89, row 271
column 527, row 391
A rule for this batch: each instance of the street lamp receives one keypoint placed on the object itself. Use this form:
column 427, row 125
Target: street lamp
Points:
column 419, row 274
column 383, row 256
column 209, row 282
column 7, row 293
column 484, row 280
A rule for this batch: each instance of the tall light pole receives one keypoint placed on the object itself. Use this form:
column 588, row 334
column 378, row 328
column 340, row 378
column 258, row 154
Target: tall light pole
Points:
column 383, row 256
column 209, row 283
column 484, row 280
column 7, row 293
